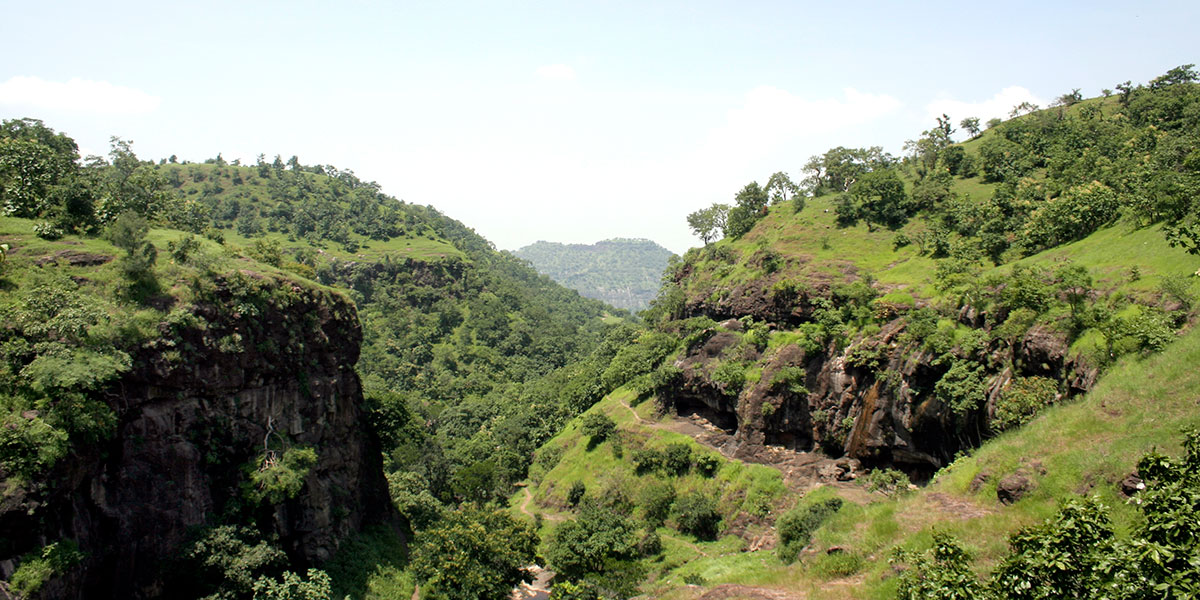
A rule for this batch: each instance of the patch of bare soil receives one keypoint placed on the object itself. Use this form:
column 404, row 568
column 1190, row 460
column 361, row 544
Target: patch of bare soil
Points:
column 959, row 508
column 744, row 592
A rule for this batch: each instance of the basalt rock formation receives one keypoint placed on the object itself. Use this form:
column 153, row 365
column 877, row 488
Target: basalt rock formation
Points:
column 247, row 372
column 872, row 400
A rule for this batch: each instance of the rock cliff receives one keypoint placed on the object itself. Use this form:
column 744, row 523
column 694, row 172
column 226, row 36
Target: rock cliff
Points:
column 872, row 400
column 253, row 362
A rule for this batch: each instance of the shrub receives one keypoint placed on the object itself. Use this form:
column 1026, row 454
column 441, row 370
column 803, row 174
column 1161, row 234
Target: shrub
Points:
column 39, row 567
column 677, row 459
column 647, row 460
column 575, row 494
column 795, row 528
column 598, row 427
column 943, row 572
column 886, row 481
column 730, row 376
column 278, row 478
column 650, row 544
column 1021, row 400
column 696, row 513
column 656, row 499
column 707, row 465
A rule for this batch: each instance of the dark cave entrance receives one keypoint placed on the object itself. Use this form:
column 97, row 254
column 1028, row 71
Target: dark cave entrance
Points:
column 686, row 407
column 792, row 440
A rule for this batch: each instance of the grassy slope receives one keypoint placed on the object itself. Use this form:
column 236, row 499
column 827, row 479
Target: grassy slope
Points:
column 813, row 246
column 739, row 488
column 1085, row 447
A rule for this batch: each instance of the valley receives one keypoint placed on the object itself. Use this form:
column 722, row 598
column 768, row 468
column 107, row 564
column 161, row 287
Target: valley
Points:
column 967, row 371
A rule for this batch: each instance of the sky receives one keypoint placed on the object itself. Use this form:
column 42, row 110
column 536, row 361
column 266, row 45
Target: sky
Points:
column 561, row 121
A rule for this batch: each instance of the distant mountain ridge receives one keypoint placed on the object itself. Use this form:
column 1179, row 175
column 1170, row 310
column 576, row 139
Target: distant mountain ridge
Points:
column 624, row 272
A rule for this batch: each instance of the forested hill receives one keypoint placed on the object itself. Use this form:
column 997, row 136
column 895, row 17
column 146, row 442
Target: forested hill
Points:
column 469, row 358
column 949, row 364
column 625, row 273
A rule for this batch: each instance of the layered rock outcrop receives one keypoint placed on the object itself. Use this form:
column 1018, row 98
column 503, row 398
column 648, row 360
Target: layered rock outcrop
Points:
column 873, row 400
column 257, row 362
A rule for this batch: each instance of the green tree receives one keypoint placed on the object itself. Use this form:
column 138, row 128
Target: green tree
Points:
column 751, row 205
column 970, row 125
column 315, row 585
column 696, row 513
column 128, row 232
column 839, row 168
column 780, row 188
column 589, row 543
column 598, row 427
column 473, row 553
column 878, row 197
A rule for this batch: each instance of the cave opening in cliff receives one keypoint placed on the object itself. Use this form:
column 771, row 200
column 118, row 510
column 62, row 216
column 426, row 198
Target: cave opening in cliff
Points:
column 788, row 439
column 686, row 407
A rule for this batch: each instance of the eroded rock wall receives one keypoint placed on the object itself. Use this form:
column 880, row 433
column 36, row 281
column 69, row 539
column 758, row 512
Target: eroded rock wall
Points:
column 882, row 412
column 196, row 411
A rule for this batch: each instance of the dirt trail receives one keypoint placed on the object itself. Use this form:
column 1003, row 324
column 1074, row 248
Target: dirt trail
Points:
column 524, row 508
column 745, row 592
column 802, row 471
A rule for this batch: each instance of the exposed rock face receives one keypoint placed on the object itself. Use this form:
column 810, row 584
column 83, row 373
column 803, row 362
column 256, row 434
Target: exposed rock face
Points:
column 191, row 421
column 872, row 401
column 1013, row 488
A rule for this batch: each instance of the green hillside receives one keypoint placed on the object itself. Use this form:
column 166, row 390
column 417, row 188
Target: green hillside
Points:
column 964, row 372
column 1010, row 317
column 461, row 344
column 624, row 273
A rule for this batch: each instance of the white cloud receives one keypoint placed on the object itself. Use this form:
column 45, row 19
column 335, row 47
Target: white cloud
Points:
column 770, row 117
column 998, row 106
column 771, row 125
column 556, row 72
column 76, row 95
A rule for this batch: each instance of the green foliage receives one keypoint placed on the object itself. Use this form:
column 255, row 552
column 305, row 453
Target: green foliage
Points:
column 730, row 375
column 889, row 482
column 708, row 223
column 696, row 513
column 277, row 477
column 942, row 573
column 37, row 568
column 796, row 527
column 878, row 198
column 315, row 585
column 598, row 427
column 1179, row 289
column 1078, row 554
column 128, row 232
column 1074, row 214
column 750, row 206
column 1021, row 400
column 575, row 494
column 647, row 460
column 655, row 501
column 638, row 358
column 29, row 445
column 962, row 387
column 707, row 465
column 472, row 553
column 838, row 169
column 1059, row 558
column 591, row 542
column 370, row 564
column 677, row 459
column 225, row 561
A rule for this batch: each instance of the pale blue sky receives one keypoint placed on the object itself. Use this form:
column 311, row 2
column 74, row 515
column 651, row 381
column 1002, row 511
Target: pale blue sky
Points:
column 570, row 121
